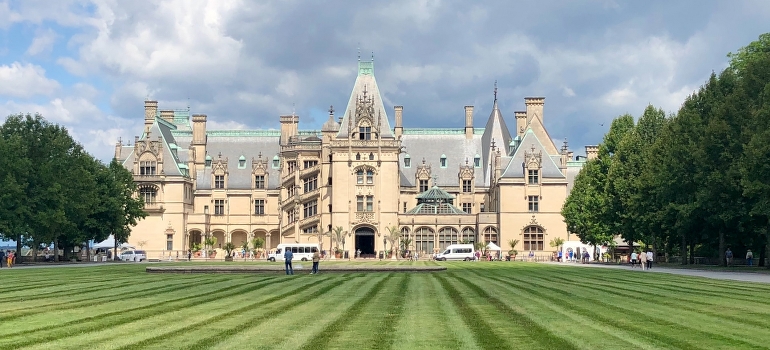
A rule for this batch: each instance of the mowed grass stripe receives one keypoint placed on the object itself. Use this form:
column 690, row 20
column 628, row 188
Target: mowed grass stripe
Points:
column 736, row 313
column 114, row 318
column 172, row 329
column 561, row 317
column 630, row 313
column 333, row 329
column 125, row 295
column 531, row 334
column 54, row 290
column 289, row 330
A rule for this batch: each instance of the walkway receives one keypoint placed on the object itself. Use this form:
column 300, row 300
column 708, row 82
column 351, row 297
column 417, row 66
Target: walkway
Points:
column 721, row 275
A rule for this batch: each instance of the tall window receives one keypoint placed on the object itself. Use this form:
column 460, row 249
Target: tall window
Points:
column 148, row 194
column 309, row 209
column 371, row 156
column 219, row 181
column 259, row 181
column 467, row 186
column 447, row 236
column 292, row 165
column 482, row 208
column 208, row 162
column 533, row 177
column 310, row 183
column 423, row 185
column 276, row 162
column 219, row 207
column 169, row 242
column 467, row 207
column 469, row 235
column 147, row 168
column 364, row 132
column 360, row 177
column 490, row 235
column 358, row 156
column 310, row 230
column 241, row 163
column 369, row 177
column 533, row 238
column 404, row 207
column 259, row 207
column 310, row 163
column 534, row 205
column 364, row 203
column 290, row 191
column 290, row 216
column 424, row 240
column 477, row 162
column 443, row 161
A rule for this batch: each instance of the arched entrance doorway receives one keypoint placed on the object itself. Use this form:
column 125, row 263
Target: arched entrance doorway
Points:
column 365, row 240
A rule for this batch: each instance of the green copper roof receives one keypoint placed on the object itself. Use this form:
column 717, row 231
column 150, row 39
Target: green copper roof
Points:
column 433, row 209
column 440, row 131
column 365, row 67
column 435, row 194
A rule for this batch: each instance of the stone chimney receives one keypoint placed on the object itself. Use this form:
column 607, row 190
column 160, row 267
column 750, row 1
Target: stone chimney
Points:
column 289, row 126
column 521, row 122
column 118, row 149
column 468, row 122
column 592, row 152
column 167, row 115
column 150, row 110
column 534, row 107
column 399, row 112
column 199, row 138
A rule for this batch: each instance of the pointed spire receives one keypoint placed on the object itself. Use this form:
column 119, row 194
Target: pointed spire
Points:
column 495, row 92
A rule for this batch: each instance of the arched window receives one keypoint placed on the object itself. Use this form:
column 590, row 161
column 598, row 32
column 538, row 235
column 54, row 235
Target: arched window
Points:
column 477, row 161
column 533, row 238
column 208, row 161
column 369, row 177
column 490, row 235
column 424, row 240
column 447, row 236
column 407, row 161
column 148, row 194
column 358, row 156
column 443, row 161
column 360, row 177
column 276, row 162
column 371, row 156
column 469, row 235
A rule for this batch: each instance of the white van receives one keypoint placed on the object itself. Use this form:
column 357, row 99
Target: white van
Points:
column 133, row 255
column 302, row 251
column 457, row 252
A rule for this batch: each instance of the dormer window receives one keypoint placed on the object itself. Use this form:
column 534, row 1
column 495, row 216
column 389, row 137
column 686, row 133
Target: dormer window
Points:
column 147, row 168
column 477, row 161
column 407, row 161
column 443, row 161
column 242, row 162
column 533, row 177
column 371, row 156
column 276, row 162
column 208, row 161
column 364, row 132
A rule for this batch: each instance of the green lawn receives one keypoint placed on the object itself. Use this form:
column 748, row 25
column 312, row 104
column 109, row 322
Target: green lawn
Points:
column 470, row 306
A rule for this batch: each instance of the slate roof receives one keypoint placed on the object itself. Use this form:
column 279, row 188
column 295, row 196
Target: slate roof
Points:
column 514, row 169
column 449, row 142
column 365, row 80
column 232, row 148
column 494, row 130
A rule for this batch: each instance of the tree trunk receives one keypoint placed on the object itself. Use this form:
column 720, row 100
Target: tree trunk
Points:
column 683, row 250
column 691, row 258
column 18, row 248
column 56, row 249
column 115, row 248
column 767, row 245
column 722, row 260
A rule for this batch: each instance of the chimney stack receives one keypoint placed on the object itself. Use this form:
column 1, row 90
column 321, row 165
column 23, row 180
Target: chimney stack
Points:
column 468, row 122
column 521, row 122
column 534, row 108
column 592, row 152
column 399, row 115
column 150, row 111
column 167, row 115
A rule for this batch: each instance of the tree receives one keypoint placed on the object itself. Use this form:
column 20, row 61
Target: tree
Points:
column 393, row 236
column 258, row 243
column 584, row 211
column 127, row 208
column 555, row 243
column 514, row 242
column 338, row 236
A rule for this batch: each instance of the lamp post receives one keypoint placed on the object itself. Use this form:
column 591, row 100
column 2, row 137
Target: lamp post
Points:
column 385, row 246
column 206, row 230
column 343, row 247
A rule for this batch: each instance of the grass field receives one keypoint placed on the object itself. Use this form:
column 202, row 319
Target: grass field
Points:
column 480, row 305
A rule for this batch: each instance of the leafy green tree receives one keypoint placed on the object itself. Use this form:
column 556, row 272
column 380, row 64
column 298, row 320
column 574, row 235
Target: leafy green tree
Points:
column 126, row 208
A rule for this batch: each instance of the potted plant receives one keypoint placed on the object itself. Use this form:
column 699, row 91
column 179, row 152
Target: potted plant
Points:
column 229, row 247
column 394, row 235
column 513, row 252
column 196, row 249
column 210, row 243
column 245, row 248
column 338, row 236
column 258, row 243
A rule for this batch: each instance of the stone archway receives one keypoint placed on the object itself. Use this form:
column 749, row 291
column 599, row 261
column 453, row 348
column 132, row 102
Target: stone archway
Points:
column 195, row 237
column 221, row 239
column 238, row 237
column 364, row 241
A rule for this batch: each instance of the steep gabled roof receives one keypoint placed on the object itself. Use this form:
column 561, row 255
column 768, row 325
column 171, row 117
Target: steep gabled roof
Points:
column 496, row 131
column 365, row 85
column 531, row 143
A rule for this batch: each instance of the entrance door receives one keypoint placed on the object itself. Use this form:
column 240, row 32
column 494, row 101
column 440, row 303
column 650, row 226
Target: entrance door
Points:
column 365, row 240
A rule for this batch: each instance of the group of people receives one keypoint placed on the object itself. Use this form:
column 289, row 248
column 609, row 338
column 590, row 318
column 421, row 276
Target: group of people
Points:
column 749, row 257
column 7, row 258
column 643, row 259
column 288, row 256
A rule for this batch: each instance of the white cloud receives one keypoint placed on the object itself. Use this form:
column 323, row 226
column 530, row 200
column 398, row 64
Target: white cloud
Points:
column 226, row 125
column 567, row 91
column 25, row 80
column 42, row 43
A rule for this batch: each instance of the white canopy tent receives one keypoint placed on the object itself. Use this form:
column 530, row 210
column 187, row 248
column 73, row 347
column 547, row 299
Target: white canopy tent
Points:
column 110, row 243
column 493, row 246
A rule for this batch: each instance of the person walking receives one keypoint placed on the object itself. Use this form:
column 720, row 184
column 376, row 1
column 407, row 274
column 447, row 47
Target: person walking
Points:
column 287, row 256
column 10, row 259
column 749, row 257
column 649, row 259
column 316, row 260
column 643, row 260
column 729, row 257
column 2, row 258
column 633, row 259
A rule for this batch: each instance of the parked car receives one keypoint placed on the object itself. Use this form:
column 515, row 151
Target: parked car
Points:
column 133, row 255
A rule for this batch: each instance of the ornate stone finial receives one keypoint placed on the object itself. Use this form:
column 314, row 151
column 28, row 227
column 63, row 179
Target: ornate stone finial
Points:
column 220, row 155
column 466, row 161
column 260, row 155
column 359, row 53
column 493, row 144
column 331, row 111
column 435, row 179
column 423, row 161
column 120, row 141
column 495, row 89
column 372, row 56
column 365, row 91
column 533, row 148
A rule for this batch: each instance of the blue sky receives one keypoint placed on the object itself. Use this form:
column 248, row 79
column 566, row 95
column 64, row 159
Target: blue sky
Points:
column 89, row 65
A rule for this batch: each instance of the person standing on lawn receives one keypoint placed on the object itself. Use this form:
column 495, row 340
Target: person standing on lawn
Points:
column 749, row 257
column 316, row 260
column 633, row 259
column 649, row 259
column 729, row 257
column 643, row 260
column 287, row 256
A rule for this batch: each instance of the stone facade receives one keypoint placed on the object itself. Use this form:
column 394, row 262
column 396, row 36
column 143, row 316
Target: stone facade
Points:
column 437, row 186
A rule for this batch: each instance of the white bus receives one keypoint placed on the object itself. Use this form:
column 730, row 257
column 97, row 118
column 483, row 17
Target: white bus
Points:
column 302, row 251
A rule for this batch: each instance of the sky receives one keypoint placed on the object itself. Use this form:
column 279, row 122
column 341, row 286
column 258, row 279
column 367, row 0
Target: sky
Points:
column 89, row 65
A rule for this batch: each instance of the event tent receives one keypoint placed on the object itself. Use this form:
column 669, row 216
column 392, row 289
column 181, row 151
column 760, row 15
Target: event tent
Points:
column 493, row 246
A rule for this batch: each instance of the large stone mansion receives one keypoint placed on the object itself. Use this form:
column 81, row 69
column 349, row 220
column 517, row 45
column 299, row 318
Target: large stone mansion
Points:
column 437, row 186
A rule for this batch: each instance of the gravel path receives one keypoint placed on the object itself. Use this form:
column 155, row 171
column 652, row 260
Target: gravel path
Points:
column 722, row 275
